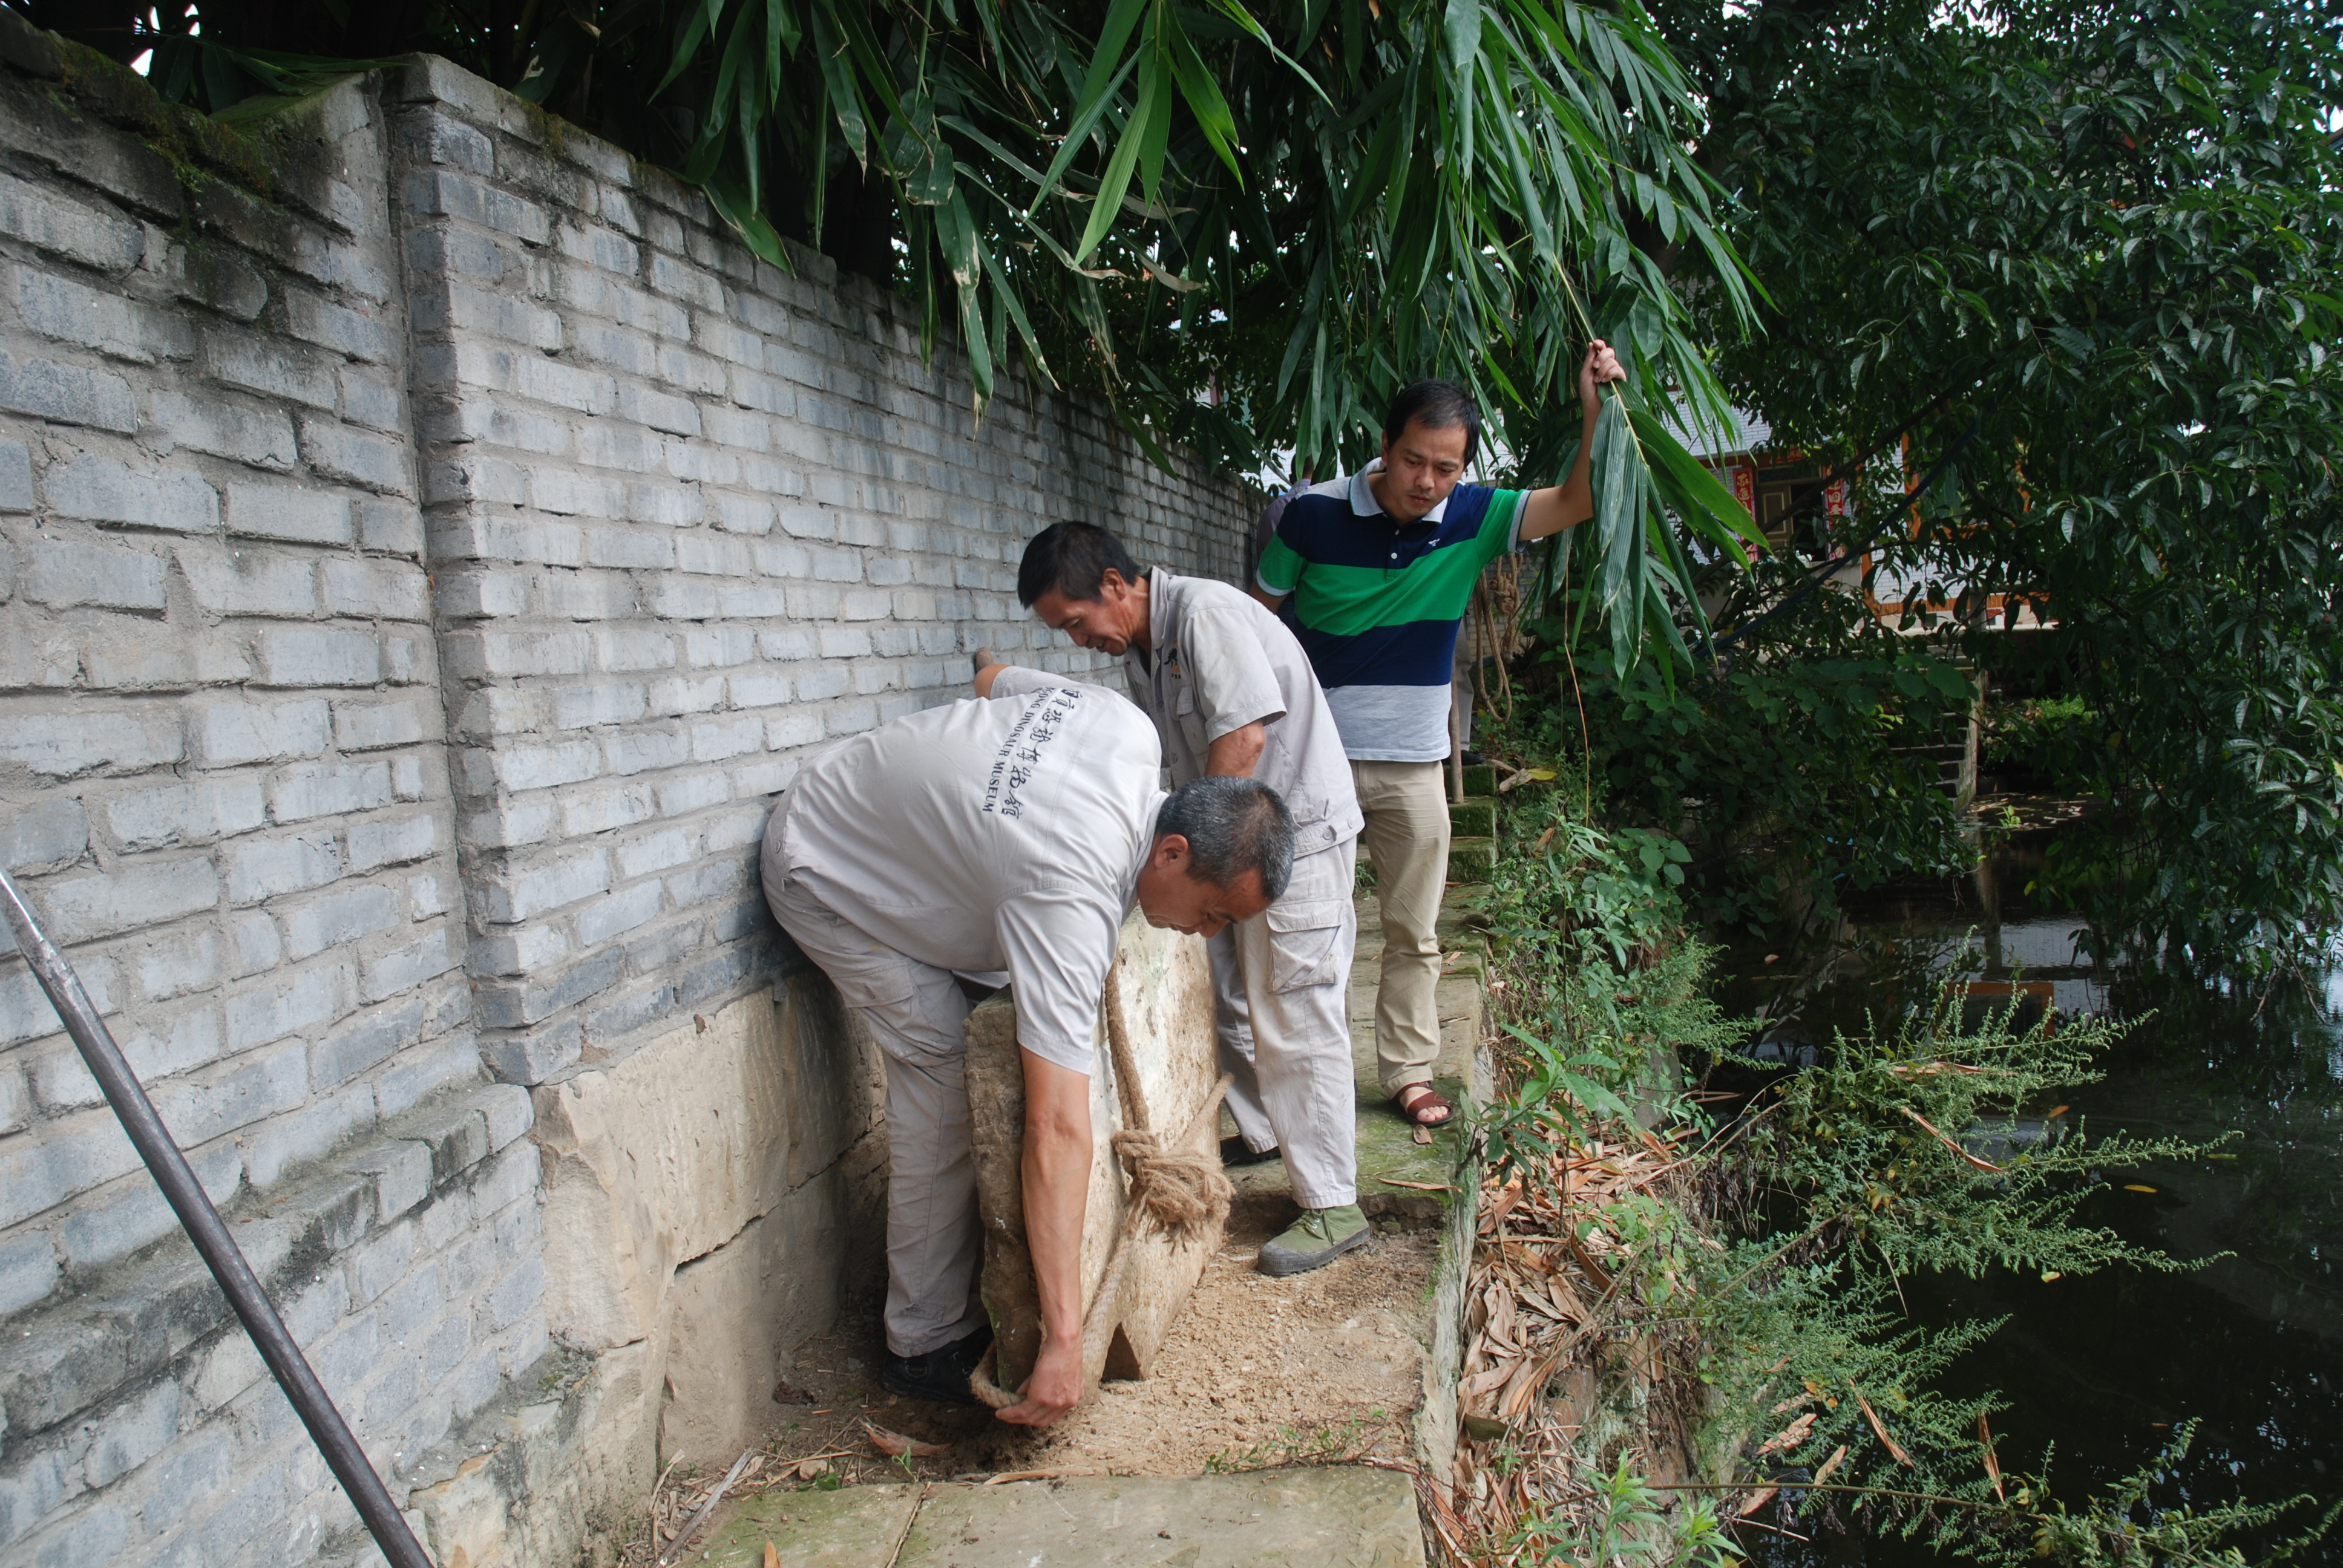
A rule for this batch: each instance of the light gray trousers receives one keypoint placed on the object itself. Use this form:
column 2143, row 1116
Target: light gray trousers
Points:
column 935, row 1250
column 1282, row 985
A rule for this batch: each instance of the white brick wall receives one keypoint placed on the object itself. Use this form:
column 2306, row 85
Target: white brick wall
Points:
column 691, row 519
column 224, row 781
column 416, row 582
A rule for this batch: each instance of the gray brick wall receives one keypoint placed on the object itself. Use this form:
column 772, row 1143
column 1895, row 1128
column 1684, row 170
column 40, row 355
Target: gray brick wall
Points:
column 691, row 519
column 224, row 781
column 427, row 544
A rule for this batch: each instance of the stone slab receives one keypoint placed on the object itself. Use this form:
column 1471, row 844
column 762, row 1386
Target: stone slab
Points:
column 1164, row 985
column 669, row 1154
column 1331, row 1517
column 853, row 1527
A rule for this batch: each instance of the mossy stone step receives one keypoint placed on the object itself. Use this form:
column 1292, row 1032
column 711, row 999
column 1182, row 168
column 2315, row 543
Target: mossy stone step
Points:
column 1472, row 860
column 1480, row 779
column 1474, row 817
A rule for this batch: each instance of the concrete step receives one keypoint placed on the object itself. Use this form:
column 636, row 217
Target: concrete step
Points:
column 1472, row 860
column 1337, row 1516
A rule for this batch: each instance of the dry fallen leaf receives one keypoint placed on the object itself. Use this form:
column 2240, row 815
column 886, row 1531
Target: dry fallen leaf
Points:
column 1830, row 1464
column 895, row 1446
column 1057, row 1473
column 1880, row 1427
column 1789, row 1437
column 2136, row 1187
column 1757, row 1501
column 809, row 1469
column 772, row 1558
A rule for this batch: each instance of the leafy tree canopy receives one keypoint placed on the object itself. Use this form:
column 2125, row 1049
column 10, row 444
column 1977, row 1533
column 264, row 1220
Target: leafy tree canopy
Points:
column 2080, row 265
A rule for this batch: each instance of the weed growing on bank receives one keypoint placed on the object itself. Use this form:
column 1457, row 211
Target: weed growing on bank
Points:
column 1688, row 1322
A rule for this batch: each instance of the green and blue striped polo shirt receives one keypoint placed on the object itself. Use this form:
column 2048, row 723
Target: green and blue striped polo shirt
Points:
column 1377, row 604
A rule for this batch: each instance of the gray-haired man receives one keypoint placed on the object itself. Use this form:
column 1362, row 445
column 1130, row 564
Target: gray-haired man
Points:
column 988, row 836
column 1232, row 695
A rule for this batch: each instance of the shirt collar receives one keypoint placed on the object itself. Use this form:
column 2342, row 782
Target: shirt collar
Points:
column 1146, row 850
column 1364, row 503
column 1156, row 595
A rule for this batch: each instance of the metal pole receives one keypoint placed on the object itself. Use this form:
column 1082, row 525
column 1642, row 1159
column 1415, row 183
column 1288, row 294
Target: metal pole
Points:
column 210, row 1234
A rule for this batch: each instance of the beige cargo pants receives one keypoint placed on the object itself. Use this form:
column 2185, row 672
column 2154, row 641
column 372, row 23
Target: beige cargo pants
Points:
column 1406, row 808
column 1282, row 981
column 935, row 1248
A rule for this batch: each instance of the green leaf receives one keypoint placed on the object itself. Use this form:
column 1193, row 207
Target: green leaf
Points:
column 1694, row 492
column 1204, row 99
column 1461, row 26
column 1136, row 133
column 1107, row 72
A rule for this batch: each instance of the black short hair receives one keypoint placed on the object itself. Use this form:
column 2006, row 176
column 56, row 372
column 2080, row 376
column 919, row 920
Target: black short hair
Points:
column 1436, row 406
column 1233, row 826
column 1073, row 559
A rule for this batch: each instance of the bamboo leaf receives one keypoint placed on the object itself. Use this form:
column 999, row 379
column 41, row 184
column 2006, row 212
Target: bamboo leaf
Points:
column 1461, row 26
column 1104, row 79
column 1119, row 168
column 1692, row 490
column 1204, row 99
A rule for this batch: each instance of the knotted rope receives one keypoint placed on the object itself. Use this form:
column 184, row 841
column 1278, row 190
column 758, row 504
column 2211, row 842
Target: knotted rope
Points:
column 1182, row 1190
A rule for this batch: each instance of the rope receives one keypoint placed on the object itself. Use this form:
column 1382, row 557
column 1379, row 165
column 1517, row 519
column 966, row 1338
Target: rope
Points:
column 1181, row 1190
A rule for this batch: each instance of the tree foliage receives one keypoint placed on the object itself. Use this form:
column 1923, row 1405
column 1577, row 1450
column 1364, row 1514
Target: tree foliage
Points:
column 1796, row 768
column 2081, row 266
column 1245, row 227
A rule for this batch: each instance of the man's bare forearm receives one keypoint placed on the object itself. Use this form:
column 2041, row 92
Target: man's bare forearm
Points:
column 1568, row 504
column 1057, row 1170
column 1057, row 1173
column 1236, row 754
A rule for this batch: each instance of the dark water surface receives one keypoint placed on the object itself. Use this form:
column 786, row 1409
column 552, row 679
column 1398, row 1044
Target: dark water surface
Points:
column 2103, row 1367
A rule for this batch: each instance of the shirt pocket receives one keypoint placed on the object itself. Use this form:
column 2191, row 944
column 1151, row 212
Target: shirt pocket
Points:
column 1305, row 944
column 1190, row 724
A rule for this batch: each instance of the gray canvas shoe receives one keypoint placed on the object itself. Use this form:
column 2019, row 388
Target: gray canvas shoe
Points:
column 1317, row 1239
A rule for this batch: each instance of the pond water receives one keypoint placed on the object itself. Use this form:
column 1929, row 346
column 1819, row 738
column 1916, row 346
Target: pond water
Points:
column 2250, row 1345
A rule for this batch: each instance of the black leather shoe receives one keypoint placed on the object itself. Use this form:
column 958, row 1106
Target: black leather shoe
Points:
column 1236, row 1151
column 942, row 1375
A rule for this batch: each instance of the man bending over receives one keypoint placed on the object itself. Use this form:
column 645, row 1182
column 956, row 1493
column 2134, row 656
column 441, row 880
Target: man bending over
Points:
column 988, row 836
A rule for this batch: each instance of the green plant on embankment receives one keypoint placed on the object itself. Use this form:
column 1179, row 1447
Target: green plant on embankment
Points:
column 1765, row 1291
column 1598, row 989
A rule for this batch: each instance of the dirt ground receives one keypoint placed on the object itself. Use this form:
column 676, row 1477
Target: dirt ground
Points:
column 1257, row 1370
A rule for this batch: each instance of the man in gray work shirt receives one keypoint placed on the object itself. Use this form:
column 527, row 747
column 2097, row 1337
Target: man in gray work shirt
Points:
column 1233, row 694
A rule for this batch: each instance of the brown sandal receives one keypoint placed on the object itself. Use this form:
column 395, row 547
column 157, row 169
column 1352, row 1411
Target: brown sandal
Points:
column 1427, row 1108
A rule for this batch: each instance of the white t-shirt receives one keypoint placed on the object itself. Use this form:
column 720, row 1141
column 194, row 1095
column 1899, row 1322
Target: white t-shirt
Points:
column 991, row 834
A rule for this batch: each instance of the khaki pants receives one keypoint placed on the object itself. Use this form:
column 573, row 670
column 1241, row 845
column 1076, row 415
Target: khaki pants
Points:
column 1406, row 808
column 935, row 1248
column 1282, row 983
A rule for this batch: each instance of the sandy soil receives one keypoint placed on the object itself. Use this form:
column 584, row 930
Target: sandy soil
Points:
column 1324, row 1365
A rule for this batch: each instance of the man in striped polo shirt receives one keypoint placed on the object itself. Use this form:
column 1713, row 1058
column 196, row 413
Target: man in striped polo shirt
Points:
column 1381, row 568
